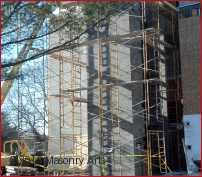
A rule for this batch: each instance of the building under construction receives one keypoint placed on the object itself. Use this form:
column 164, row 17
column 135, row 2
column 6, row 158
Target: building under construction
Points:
column 118, row 95
column 117, row 100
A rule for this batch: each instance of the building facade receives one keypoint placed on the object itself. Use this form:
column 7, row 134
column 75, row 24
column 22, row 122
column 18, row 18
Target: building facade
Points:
column 189, row 32
column 118, row 96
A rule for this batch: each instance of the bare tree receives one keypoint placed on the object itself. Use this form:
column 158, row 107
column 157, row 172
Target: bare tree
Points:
column 25, row 29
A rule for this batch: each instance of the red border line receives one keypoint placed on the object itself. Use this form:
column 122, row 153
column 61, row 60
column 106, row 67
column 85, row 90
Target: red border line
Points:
column 201, row 80
column 1, row 117
column 91, row 1
column 97, row 1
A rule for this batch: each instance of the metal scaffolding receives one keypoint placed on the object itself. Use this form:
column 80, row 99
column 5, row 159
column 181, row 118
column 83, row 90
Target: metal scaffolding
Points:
column 110, row 99
column 107, row 116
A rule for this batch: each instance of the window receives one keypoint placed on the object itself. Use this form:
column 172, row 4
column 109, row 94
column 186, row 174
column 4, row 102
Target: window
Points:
column 15, row 148
column 7, row 148
column 190, row 10
column 189, row 147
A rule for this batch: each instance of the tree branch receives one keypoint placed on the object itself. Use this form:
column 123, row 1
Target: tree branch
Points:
column 13, row 12
column 37, row 37
column 23, row 54
column 57, row 48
